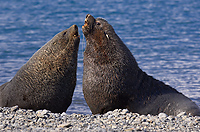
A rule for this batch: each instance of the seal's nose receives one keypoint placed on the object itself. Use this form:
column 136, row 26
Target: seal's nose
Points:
column 75, row 27
column 74, row 30
column 89, row 19
column 89, row 24
column 87, row 15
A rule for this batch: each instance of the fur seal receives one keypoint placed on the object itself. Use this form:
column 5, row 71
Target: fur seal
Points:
column 113, row 80
column 48, row 79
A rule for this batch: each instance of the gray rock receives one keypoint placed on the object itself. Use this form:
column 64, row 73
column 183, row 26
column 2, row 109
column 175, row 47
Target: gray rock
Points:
column 65, row 125
column 145, row 123
column 64, row 114
column 110, row 116
column 181, row 114
column 197, row 119
column 1, row 115
column 2, row 126
column 162, row 115
column 43, row 113
column 124, row 111
column 14, row 108
column 16, row 119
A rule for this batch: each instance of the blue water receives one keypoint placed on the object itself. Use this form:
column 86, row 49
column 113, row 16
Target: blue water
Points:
column 164, row 37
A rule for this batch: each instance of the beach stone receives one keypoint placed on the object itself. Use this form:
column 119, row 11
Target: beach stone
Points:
column 42, row 113
column 14, row 108
column 114, row 126
column 181, row 114
column 110, row 116
column 64, row 114
column 197, row 119
column 1, row 115
column 129, row 130
column 145, row 123
column 162, row 115
column 22, row 121
column 2, row 126
column 171, row 118
column 124, row 111
column 65, row 125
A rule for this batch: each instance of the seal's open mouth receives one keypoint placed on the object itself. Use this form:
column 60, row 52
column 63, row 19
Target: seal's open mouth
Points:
column 86, row 23
column 89, row 23
column 87, row 20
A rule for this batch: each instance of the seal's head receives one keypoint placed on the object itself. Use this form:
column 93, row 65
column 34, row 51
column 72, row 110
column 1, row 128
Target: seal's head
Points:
column 97, row 26
column 101, row 39
column 62, row 50
column 68, row 38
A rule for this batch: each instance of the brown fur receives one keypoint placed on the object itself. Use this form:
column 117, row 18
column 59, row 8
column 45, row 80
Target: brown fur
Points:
column 48, row 79
column 113, row 80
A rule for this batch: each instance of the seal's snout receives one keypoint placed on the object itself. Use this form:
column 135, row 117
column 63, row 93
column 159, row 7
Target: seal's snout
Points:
column 89, row 19
column 89, row 23
column 88, row 15
column 75, row 27
column 74, row 30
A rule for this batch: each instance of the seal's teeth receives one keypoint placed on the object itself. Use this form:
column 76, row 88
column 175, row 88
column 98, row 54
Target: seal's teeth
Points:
column 85, row 24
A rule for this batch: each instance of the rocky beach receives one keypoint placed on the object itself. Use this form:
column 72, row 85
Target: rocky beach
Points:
column 17, row 119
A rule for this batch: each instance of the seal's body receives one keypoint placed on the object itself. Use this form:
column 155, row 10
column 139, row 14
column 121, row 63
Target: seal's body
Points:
column 113, row 80
column 48, row 79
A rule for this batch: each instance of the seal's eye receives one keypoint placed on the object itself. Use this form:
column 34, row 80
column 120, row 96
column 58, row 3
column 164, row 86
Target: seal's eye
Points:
column 98, row 23
column 64, row 33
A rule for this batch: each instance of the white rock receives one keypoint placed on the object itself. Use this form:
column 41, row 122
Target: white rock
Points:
column 181, row 114
column 65, row 125
column 1, row 115
column 64, row 114
column 14, row 108
column 110, row 116
column 162, row 115
column 124, row 111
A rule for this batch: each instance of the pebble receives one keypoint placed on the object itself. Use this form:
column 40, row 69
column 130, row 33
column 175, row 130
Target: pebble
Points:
column 162, row 115
column 14, row 108
column 17, row 119
column 65, row 125
column 181, row 114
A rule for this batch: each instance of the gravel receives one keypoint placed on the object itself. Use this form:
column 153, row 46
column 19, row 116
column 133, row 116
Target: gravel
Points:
column 17, row 119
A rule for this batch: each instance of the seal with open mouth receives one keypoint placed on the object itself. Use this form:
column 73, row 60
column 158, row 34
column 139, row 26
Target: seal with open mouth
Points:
column 48, row 79
column 113, row 80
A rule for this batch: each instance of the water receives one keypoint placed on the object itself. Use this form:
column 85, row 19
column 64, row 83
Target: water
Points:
column 164, row 37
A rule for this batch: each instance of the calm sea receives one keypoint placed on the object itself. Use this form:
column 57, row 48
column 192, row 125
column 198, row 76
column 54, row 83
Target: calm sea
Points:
column 163, row 35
